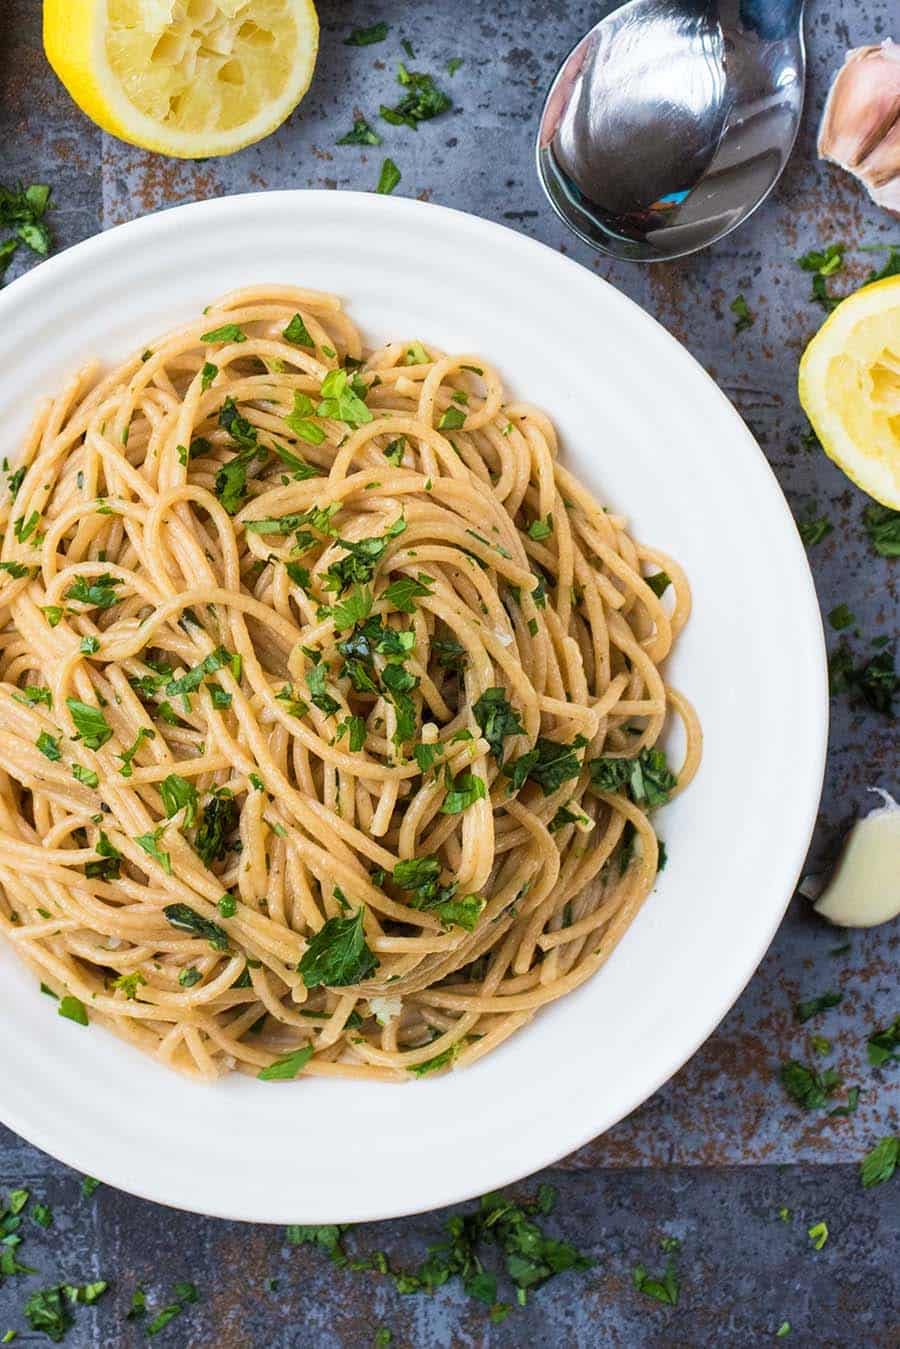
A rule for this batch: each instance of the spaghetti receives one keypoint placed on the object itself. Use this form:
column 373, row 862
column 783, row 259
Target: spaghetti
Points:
column 330, row 702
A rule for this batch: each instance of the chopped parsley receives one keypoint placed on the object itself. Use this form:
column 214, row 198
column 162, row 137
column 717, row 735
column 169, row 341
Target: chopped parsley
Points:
column 818, row 1235
column 22, row 209
column 743, row 316
column 364, row 37
column 361, row 560
column 207, row 375
column 220, row 819
column 884, row 1045
column 467, row 788
column 549, row 764
column 229, row 332
column 540, row 529
column 85, row 775
column 807, row 1086
column 184, row 918
column 316, row 676
column 127, row 769
column 804, row 1011
column 298, row 333
column 401, row 593
column 880, row 1163
column 216, row 660
column 49, row 746
column 179, row 794
column 823, row 263
column 342, row 399
column 388, row 179
column 150, row 845
column 497, row 719
column 422, row 100
column 360, row 134
column 338, row 954
column 90, row 723
column 841, row 617
column 659, row 583
column 814, row 530
column 649, row 779
column 73, row 1009
column 452, row 419
column 883, row 528
column 97, row 592
column 286, row 1068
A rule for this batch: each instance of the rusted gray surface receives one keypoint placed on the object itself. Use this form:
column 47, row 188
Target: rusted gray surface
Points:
column 724, row 1108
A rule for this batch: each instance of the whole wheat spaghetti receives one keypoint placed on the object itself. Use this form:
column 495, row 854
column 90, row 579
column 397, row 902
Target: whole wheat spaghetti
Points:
column 329, row 702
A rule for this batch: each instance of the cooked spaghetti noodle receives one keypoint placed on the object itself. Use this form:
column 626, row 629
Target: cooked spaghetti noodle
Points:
column 329, row 702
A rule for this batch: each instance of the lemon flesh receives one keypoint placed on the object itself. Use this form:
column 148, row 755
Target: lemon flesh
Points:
column 850, row 388
column 189, row 78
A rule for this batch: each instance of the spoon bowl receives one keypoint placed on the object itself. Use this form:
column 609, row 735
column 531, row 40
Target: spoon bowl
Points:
column 671, row 120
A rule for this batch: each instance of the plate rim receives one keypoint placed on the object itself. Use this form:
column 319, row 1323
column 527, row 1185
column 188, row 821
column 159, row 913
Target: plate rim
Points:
column 17, row 292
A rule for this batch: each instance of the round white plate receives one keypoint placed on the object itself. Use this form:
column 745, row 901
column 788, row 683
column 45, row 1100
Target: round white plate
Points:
column 649, row 431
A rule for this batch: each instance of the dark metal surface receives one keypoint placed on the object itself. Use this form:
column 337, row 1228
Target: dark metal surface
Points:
column 715, row 1153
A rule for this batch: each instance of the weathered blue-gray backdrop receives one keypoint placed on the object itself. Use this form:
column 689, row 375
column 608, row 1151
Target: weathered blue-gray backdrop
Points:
column 714, row 1155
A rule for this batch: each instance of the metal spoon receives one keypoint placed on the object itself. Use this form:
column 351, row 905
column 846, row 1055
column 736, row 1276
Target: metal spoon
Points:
column 671, row 120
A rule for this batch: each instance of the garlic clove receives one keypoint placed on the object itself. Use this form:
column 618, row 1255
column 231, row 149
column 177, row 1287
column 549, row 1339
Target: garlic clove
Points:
column 864, row 888
column 861, row 123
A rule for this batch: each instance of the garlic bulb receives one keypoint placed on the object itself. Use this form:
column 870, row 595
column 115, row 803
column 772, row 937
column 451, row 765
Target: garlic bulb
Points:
column 861, row 123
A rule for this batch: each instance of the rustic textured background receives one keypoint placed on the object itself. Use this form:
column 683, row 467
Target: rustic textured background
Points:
column 713, row 1155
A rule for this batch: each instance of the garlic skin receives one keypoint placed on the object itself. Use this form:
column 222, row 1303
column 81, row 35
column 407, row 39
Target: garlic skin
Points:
column 864, row 888
column 861, row 123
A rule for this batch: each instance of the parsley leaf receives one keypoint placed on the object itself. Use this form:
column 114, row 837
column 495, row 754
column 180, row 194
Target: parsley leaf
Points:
column 73, row 1009
column 286, row 1069
column 649, row 779
column 97, row 591
column 466, row 790
column 884, row 1045
column 185, row 919
column 229, row 332
column 90, row 723
column 342, row 399
column 316, row 676
column 880, row 1163
column 807, row 1086
column 338, row 955
column 361, row 134
column 883, row 528
column 220, row 818
column 814, row 530
column 298, row 333
column 49, row 746
column 364, row 37
column 497, row 719
column 401, row 593
column 549, row 764
column 422, row 100
column 150, row 845
column 179, row 794
column 388, row 179
column 804, row 1011
column 216, row 660
column 743, row 316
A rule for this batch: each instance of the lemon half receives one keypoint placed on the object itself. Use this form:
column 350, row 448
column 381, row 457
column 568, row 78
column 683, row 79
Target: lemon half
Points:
column 850, row 388
column 190, row 78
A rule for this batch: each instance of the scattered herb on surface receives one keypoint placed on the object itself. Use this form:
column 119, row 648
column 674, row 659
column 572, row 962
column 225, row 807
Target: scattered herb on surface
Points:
column 743, row 316
column 389, row 178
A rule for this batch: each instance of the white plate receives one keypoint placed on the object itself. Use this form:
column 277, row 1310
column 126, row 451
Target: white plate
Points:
column 650, row 432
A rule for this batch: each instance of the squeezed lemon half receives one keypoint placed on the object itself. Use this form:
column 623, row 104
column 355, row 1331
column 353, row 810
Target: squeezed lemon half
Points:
column 190, row 78
column 850, row 388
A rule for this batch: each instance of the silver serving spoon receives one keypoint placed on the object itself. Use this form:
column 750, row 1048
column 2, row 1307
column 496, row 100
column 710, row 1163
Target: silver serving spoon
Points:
column 671, row 120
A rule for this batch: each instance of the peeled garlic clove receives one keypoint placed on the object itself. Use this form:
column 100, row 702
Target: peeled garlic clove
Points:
column 864, row 888
column 861, row 123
